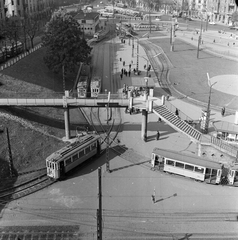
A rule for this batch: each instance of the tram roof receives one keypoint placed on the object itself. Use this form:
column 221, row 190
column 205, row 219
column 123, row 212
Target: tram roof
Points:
column 69, row 149
column 140, row 82
column 227, row 127
column 187, row 158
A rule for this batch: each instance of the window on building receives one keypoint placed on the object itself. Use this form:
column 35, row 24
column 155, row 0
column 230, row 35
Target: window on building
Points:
column 18, row 2
column 13, row 13
column 12, row 2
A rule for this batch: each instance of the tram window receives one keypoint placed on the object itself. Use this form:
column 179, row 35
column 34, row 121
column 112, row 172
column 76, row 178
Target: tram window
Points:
column 53, row 166
column 198, row 169
column 189, row 167
column 68, row 161
column 156, row 158
column 87, row 150
column 81, row 153
column 75, row 157
column 93, row 146
column 214, row 172
column 170, row 162
column 179, row 165
column 47, row 164
column 232, row 173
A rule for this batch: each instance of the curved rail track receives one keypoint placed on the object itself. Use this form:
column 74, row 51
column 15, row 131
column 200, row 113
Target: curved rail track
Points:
column 25, row 188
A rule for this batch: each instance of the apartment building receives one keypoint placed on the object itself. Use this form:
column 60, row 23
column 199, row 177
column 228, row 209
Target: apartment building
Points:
column 214, row 10
column 18, row 8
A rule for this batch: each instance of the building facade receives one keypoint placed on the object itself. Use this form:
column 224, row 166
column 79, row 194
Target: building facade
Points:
column 214, row 10
column 19, row 8
column 88, row 21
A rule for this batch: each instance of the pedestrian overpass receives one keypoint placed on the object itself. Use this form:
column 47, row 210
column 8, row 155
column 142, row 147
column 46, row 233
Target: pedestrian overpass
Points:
column 145, row 105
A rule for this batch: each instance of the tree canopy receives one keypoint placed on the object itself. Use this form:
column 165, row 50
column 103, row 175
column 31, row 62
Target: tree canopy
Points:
column 65, row 43
column 234, row 16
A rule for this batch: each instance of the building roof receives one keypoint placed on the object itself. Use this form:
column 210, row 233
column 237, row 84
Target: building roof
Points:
column 221, row 126
column 86, row 15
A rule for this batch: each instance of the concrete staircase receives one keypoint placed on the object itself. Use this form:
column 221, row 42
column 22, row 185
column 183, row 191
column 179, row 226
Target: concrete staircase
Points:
column 175, row 122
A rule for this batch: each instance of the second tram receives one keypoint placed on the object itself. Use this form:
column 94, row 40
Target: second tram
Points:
column 187, row 165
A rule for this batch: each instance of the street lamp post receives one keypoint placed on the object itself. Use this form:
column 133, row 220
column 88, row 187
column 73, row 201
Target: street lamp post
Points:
column 147, row 64
column 146, row 89
column 208, row 105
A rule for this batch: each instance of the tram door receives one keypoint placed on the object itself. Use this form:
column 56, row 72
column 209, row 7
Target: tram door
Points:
column 218, row 179
column 61, row 170
column 231, row 176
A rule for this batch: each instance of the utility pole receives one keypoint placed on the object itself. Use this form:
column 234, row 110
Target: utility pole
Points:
column 9, row 154
column 24, row 22
column 108, row 133
column 99, row 210
column 199, row 39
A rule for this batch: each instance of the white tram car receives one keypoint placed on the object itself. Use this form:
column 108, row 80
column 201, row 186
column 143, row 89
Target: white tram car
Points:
column 232, row 176
column 72, row 155
column 187, row 165
column 82, row 86
column 95, row 87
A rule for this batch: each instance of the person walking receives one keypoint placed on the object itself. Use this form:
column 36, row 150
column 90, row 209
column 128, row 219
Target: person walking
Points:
column 121, row 75
column 157, row 135
column 223, row 111
column 129, row 73
column 177, row 112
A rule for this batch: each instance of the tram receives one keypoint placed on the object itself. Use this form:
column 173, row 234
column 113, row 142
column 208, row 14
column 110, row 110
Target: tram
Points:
column 187, row 165
column 67, row 158
column 83, row 81
column 232, row 176
column 146, row 27
column 95, row 86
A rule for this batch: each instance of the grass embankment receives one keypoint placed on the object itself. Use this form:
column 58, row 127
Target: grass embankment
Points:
column 34, row 132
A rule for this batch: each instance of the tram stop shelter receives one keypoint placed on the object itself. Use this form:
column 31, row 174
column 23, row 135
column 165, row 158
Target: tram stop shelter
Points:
column 142, row 84
column 226, row 131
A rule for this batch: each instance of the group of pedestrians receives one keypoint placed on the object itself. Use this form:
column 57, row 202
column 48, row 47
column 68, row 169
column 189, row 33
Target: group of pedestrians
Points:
column 124, row 71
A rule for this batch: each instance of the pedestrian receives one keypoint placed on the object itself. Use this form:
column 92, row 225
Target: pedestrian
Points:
column 121, row 75
column 153, row 197
column 145, row 66
column 126, row 73
column 223, row 111
column 129, row 73
column 177, row 112
column 134, row 70
column 157, row 135
column 129, row 66
column 159, row 120
column 124, row 63
column 122, row 70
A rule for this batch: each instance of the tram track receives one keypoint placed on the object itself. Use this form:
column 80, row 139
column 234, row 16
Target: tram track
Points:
column 26, row 188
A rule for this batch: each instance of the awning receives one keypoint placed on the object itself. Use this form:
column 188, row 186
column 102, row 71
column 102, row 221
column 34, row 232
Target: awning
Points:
column 226, row 127
column 140, row 82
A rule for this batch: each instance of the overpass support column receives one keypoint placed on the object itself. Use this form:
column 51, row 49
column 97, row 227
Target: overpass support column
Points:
column 144, row 124
column 66, row 123
column 66, row 116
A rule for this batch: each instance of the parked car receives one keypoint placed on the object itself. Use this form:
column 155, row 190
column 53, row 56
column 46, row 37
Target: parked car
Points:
column 212, row 23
